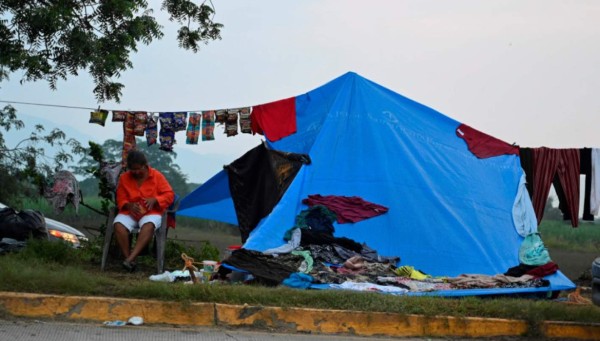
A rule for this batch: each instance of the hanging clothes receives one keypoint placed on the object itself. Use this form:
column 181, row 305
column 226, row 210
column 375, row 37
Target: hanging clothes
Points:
column 221, row 116
column 585, row 155
column 523, row 214
column 140, row 123
column 595, row 191
column 564, row 164
column 166, row 136
column 119, row 116
column 245, row 122
column 586, row 169
column 110, row 171
column 526, row 158
column 179, row 121
column 208, row 125
column 65, row 190
column 129, row 142
column 275, row 120
column 483, row 145
column 98, row 117
column 231, row 125
column 152, row 130
column 193, row 129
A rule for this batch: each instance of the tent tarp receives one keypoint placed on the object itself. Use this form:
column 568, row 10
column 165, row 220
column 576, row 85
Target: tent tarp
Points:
column 450, row 212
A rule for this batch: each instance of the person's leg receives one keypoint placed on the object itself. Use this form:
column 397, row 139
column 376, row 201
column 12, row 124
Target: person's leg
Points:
column 143, row 239
column 124, row 224
column 148, row 225
column 122, row 235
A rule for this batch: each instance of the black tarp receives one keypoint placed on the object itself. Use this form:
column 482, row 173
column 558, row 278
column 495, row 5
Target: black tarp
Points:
column 257, row 180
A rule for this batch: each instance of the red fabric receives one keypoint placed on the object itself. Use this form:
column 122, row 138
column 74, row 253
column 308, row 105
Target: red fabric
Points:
column 171, row 220
column 483, row 145
column 543, row 270
column 347, row 209
column 275, row 120
column 563, row 163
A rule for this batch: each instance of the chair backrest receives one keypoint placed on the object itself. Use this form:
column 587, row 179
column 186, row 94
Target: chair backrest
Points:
column 171, row 211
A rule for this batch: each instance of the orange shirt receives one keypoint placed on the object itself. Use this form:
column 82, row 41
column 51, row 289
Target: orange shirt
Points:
column 155, row 186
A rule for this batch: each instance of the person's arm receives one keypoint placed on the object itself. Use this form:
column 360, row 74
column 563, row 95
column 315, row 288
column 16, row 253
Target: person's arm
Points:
column 164, row 194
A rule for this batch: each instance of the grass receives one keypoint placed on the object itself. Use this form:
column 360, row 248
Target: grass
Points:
column 21, row 273
column 55, row 268
column 560, row 235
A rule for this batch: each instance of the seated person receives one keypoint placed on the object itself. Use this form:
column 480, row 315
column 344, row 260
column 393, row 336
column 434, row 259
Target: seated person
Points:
column 143, row 194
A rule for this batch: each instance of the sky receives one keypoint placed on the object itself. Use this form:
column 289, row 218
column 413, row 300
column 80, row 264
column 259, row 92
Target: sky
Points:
column 523, row 71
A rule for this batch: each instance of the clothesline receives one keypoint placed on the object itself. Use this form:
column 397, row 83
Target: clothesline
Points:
column 91, row 108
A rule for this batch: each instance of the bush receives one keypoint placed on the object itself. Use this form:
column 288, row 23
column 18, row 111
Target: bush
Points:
column 49, row 252
column 175, row 249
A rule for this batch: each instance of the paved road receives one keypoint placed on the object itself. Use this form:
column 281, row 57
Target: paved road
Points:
column 45, row 330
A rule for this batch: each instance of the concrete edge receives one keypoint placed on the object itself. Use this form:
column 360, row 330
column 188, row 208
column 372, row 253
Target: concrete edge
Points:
column 365, row 323
column 291, row 320
column 106, row 309
column 571, row 330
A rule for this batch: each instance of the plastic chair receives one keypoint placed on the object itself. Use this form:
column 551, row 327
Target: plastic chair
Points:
column 160, row 236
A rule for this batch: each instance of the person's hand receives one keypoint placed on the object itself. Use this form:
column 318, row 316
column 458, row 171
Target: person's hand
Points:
column 135, row 209
column 150, row 202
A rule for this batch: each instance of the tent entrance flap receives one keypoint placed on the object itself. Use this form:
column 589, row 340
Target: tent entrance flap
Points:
column 257, row 180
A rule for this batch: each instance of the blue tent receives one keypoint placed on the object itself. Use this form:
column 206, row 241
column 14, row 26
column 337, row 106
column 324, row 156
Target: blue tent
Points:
column 450, row 212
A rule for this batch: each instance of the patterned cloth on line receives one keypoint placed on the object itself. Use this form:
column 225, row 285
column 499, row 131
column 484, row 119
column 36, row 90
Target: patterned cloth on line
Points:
column 208, row 125
column 98, row 117
column 193, row 129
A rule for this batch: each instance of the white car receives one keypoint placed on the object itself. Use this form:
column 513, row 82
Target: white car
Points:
column 61, row 231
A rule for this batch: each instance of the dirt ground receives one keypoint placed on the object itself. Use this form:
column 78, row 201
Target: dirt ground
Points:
column 575, row 265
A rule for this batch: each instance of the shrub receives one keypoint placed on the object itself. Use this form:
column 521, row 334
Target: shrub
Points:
column 49, row 252
column 175, row 249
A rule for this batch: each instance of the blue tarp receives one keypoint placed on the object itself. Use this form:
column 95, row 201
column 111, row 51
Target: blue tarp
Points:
column 450, row 213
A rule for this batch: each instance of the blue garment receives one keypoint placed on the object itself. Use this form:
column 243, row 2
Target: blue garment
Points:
column 533, row 251
column 523, row 213
column 298, row 280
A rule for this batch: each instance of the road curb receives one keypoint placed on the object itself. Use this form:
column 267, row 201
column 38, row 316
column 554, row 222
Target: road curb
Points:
column 365, row 323
column 318, row 321
column 106, row 309
column 571, row 330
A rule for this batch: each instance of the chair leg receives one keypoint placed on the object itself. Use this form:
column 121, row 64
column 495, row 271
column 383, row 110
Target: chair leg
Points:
column 161, row 240
column 108, row 233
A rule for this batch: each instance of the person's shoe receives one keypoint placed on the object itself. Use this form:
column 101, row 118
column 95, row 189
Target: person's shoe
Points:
column 129, row 266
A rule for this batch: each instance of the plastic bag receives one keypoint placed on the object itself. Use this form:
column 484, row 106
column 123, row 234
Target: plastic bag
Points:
column 22, row 225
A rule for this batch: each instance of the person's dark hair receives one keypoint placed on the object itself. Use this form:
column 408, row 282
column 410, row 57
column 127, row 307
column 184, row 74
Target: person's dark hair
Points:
column 136, row 157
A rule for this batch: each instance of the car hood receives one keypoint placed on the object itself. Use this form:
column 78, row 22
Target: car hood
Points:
column 52, row 224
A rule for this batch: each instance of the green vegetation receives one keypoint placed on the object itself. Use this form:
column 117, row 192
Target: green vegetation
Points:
column 560, row 235
column 44, row 268
column 51, row 40
column 25, row 166
column 55, row 268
